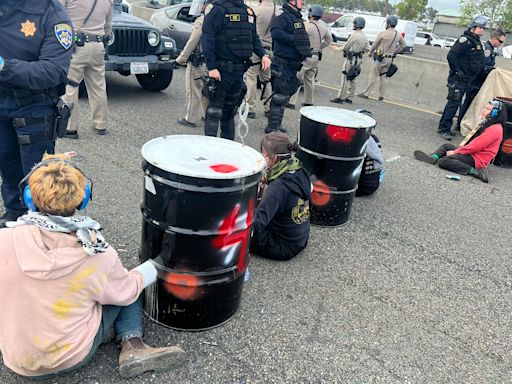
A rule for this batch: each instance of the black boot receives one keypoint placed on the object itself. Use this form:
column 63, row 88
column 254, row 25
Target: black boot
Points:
column 10, row 216
column 422, row 156
column 481, row 174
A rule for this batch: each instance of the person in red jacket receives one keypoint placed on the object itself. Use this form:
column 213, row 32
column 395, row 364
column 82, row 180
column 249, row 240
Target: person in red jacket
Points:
column 473, row 157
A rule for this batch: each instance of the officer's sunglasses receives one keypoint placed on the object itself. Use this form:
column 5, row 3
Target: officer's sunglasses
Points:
column 501, row 41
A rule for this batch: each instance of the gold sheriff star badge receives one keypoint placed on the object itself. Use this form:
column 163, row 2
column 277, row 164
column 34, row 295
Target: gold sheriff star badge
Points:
column 28, row 28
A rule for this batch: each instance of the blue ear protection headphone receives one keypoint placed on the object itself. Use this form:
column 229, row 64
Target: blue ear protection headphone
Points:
column 27, row 194
column 496, row 108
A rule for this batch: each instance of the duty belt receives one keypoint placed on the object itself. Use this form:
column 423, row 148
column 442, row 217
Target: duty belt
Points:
column 229, row 66
column 294, row 65
column 26, row 96
column 91, row 38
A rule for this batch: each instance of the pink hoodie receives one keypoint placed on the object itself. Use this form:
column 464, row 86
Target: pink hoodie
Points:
column 51, row 294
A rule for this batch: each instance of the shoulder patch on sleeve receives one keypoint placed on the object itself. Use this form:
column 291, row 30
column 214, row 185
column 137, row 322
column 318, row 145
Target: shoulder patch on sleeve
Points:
column 64, row 35
column 462, row 39
column 208, row 8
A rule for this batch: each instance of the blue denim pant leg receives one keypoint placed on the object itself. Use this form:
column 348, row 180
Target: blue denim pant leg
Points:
column 126, row 320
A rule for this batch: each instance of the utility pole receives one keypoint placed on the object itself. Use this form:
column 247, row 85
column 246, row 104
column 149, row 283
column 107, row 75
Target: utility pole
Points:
column 386, row 8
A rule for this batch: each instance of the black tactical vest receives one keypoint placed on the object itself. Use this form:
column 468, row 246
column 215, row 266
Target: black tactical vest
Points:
column 238, row 31
column 300, row 35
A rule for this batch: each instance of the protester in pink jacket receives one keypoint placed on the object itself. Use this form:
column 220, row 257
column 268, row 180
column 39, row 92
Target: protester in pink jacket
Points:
column 473, row 158
column 63, row 288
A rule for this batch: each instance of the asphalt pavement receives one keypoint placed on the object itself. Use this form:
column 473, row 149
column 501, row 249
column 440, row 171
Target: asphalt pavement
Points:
column 415, row 288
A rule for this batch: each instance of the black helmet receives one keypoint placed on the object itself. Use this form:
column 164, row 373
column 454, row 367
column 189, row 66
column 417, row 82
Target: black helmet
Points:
column 315, row 11
column 359, row 22
column 479, row 21
column 391, row 21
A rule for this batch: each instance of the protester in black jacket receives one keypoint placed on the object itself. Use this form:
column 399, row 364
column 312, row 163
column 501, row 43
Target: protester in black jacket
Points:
column 281, row 227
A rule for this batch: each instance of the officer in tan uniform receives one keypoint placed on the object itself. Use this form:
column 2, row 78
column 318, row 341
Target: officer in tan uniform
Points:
column 92, row 21
column 319, row 38
column 192, row 54
column 264, row 13
column 354, row 49
column 387, row 44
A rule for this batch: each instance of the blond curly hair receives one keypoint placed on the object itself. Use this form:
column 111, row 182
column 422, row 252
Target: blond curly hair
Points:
column 57, row 187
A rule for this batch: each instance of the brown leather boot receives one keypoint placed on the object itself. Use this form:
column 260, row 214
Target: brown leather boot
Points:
column 136, row 358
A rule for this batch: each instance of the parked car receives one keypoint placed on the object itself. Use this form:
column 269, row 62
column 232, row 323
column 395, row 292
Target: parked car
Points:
column 137, row 48
column 146, row 9
column 175, row 22
column 429, row 38
column 342, row 28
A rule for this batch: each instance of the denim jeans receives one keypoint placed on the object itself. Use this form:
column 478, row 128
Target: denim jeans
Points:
column 127, row 321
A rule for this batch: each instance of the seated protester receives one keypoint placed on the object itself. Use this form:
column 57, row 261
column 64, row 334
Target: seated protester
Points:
column 369, row 180
column 63, row 288
column 473, row 158
column 281, row 226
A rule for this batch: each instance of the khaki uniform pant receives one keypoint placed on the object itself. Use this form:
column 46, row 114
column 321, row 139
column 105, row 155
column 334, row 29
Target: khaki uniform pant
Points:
column 307, row 75
column 88, row 64
column 252, row 96
column 347, row 87
column 195, row 101
column 375, row 71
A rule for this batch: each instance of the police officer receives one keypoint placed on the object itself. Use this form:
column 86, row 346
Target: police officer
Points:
column 92, row 21
column 229, row 39
column 466, row 60
column 354, row 49
column 385, row 47
column 319, row 38
column 497, row 39
column 35, row 50
column 290, row 47
column 263, row 12
column 192, row 54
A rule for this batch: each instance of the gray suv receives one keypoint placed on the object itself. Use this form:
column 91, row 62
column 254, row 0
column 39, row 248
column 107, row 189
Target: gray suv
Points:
column 137, row 48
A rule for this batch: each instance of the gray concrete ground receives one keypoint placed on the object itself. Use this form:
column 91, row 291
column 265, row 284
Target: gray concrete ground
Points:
column 414, row 289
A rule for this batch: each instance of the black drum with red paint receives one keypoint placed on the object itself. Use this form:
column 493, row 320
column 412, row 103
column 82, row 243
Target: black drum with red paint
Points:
column 197, row 209
column 332, row 145
column 504, row 156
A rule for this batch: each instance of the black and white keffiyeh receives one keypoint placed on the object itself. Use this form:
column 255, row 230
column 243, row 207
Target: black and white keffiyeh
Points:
column 83, row 226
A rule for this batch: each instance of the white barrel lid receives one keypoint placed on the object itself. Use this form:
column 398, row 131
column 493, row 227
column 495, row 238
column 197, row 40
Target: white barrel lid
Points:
column 203, row 157
column 338, row 117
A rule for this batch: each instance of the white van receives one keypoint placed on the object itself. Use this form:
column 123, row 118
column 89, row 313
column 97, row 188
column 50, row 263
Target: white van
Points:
column 342, row 28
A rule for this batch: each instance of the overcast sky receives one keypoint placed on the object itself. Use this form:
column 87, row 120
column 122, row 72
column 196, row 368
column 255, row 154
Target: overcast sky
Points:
column 440, row 5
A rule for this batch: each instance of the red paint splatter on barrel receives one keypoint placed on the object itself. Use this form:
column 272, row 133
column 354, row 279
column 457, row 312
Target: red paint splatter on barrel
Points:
column 321, row 194
column 223, row 168
column 506, row 147
column 337, row 133
column 182, row 285
column 230, row 235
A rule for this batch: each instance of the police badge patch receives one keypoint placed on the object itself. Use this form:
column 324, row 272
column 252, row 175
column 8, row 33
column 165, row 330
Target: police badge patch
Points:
column 487, row 53
column 462, row 39
column 64, row 35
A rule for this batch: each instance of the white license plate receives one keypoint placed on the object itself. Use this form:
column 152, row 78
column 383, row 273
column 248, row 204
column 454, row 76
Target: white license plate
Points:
column 139, row 68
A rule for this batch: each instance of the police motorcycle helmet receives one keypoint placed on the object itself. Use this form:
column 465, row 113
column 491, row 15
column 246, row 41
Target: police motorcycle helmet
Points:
column 315, row 10
column 359, row 22
column 478, row 21
column 391, row 21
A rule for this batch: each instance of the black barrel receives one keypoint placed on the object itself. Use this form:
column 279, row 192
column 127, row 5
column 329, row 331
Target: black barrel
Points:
column 198, row 209
column 504, row 156
column 332, row 145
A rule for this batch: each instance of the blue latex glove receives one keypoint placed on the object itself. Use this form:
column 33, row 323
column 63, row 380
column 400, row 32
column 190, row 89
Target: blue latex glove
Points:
column 2, row 62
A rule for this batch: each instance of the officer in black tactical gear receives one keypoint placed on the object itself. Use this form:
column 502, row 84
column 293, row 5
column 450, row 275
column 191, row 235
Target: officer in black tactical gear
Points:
column 229, row 38
column 290, row 46
column 466, row 60
column 497, row 39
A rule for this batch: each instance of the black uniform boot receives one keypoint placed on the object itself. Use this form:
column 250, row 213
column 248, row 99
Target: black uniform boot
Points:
column 10, row 216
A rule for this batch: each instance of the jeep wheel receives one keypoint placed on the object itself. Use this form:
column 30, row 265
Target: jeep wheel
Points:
column 156, row 81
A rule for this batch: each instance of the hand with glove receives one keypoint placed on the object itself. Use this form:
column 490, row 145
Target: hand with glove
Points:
column 2, row 63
